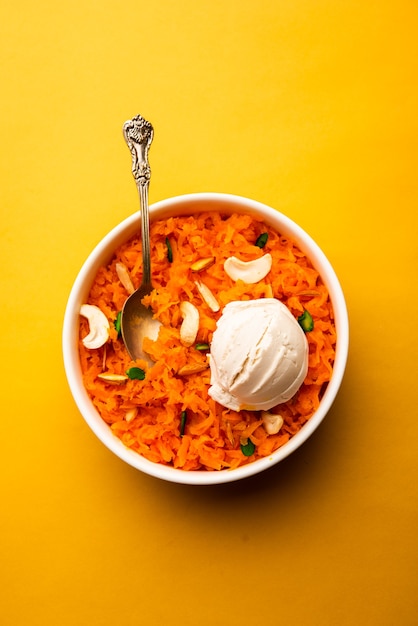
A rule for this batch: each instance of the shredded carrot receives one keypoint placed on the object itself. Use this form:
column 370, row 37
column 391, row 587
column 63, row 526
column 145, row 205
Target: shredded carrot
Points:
column 145, row 414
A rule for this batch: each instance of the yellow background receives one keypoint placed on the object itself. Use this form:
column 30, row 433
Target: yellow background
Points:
column 309, row 106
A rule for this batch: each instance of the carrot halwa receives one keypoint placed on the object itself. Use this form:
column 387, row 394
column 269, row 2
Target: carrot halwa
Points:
column 168, row 417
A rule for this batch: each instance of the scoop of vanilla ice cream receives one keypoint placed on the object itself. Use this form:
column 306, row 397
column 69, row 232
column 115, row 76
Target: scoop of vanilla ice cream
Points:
column 258, row 355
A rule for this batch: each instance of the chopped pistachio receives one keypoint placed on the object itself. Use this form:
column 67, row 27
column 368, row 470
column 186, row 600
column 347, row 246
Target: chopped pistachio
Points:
column 202, row 346
column 262, row 240
column 135, row 373
column 306, row 322
column 247, row 447
column 183, row 419
column 117, row 323
column 169, row 250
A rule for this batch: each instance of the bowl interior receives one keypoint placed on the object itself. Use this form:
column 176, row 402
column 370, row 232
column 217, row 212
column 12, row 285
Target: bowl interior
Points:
column 102, row 254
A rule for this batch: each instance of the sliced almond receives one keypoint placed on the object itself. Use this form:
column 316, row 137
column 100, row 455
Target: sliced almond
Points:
column 202, row 264
column 207, row 296
column 98, row 326
column 192, row 368
column 124, row 277
column 131, row 414
column 229, row 433
column 249, row 272
column 190, row 323
column 268, row 292
column 116, row 379
column 272, row 423
column 104, row 358
column 309, row 293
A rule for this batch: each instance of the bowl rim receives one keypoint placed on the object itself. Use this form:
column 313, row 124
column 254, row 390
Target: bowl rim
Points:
column 103, row 252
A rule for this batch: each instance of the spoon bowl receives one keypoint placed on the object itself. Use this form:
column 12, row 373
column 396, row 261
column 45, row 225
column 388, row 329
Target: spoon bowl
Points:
column 137, row 320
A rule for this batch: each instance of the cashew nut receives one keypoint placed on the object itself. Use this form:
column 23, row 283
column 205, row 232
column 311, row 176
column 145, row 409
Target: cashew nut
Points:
column 98, row 326
column 272, row 423
column 249, row 272
column 190, row 323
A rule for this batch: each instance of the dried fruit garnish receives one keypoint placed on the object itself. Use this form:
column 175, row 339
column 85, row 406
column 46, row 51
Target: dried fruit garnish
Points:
column 98, row 326
column 183, row 419
column 207, row 296
column 192, row 368
column 306, row 322
column 169, row 250
column 190, row 324
column 124, row 277
column 117, row 323
column 116, row 379
column 247, row 448
column 135, row 373
column 202, row 346
column 202, row 264
column 249, row 272
column 262, row 240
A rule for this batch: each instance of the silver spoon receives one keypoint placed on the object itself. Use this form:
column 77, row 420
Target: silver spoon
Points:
column 136, row 319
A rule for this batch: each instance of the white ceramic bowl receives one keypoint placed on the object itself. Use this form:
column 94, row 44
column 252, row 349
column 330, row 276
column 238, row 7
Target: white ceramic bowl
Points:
column 184, row 205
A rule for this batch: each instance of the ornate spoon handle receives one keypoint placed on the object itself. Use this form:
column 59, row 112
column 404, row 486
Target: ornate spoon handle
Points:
column 138, row 135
